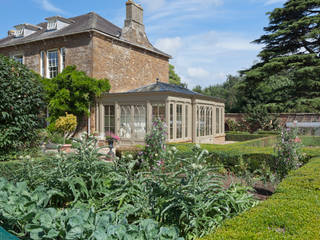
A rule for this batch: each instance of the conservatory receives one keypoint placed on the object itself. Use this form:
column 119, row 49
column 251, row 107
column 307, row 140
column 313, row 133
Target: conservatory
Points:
column 189, row 116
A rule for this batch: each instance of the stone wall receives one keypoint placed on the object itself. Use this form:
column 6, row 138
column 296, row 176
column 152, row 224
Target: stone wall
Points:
column 127, row 67
column 283, row 117
column 78, row 51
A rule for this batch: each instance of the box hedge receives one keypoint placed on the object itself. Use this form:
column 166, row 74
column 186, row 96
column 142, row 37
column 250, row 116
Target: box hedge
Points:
column 293, row 212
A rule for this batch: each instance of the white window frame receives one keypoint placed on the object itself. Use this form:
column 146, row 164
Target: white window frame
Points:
column 47, row 68
column 52, row 25
column 62, row 59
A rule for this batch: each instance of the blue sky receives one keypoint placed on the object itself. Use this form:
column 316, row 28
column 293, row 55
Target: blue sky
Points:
column 208, row 39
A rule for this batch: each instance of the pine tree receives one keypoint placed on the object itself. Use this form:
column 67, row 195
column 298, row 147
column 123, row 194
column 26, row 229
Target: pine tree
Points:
column 287, row 79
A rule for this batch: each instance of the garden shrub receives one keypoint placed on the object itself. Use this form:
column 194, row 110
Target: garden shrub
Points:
column 72, row 91
column 241, row 137
column 293, row 212
column 21, row 103
column 288, row 152
column 67, row 125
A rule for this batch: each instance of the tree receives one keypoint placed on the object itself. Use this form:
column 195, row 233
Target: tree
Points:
column 229, row 91
column 287, row 79
column 174, row 78
column 72, row 91
column 21, row 102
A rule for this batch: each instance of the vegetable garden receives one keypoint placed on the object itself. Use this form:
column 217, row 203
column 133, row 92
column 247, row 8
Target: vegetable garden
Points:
column 162, row 192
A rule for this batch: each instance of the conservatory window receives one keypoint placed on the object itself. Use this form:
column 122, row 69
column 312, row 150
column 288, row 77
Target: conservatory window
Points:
column 217, row 120
column 159, row 111
column 202, row 121
column 139, row 123
column 109, row 118
column 125, row 122
column 186, row 121
column 171, row 121
column 179, row 120
column 198, row 121
column 52, row 63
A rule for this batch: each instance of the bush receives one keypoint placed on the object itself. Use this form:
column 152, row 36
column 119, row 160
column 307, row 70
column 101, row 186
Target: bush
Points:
column 66, row 125
column 21, row 103
column 288, row 152
column 241, row 137
column 293, row 212
column 72, row 91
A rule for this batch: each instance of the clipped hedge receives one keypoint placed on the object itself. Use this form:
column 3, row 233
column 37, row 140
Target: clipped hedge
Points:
column 241, row 137
column 293, row 212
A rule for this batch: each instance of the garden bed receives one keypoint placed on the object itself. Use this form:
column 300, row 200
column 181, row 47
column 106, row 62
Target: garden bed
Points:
column 293, row 212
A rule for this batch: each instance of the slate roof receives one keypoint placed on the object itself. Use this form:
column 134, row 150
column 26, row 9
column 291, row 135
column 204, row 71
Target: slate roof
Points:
column 84, row 23
column 171, row 88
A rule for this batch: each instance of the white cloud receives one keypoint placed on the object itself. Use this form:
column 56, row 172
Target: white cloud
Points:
column 205, row 59
column 197, row 72
column 269, row 2
column 48, row 6
column 169, row 45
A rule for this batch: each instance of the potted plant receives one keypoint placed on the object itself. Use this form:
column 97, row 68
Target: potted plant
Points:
column 67, row 125
column 111, row 138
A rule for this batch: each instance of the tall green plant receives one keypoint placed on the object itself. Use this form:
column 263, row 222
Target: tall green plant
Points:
column 21, row 102
column 72, row 91
column 288, row 152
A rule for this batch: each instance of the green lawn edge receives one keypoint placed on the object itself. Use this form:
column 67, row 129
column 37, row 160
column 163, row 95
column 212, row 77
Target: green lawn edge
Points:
column 293, row 212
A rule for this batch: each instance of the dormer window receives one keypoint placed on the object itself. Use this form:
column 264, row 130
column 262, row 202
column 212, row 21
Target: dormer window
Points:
column 52, row 25
column 25, row 29
column 19, row 32
column 57, row 23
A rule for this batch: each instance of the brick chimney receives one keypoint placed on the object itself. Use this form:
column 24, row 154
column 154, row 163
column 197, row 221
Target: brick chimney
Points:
column 133, row 29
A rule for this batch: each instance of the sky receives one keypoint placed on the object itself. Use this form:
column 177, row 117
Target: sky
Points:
column 207, row 39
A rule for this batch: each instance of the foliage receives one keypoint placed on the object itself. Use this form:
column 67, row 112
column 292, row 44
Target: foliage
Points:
column 174, row 77
column 21, row 103
column 72, row 91
column 291, row 213
column 227, row 91
column 288, row 152
column 26, row 214
column 287, row 77
column 67, row 125
column 258, row 118
column 183, row 191
column 154, row 151
column 241, row 137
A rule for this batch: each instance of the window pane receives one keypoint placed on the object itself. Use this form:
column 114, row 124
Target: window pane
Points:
column 140, row 119
column 171, row 121
column 125, row 121
column 179, row 120
column 217, row 120
column 18, row 59
column 186, row 121
column 159, row 111
column 109, row 119
column 53, row 63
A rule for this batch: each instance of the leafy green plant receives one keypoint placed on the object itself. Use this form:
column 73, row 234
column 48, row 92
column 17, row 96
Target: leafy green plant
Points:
column 25, row 214
column 72, row 91
column 21, row 102
column 66, row 124
column 288, row 152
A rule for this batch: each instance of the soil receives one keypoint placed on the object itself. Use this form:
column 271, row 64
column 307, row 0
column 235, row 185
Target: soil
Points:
column 261, row 191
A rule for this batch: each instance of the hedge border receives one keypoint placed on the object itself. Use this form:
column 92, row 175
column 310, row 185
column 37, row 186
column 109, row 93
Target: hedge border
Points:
column 293, row 212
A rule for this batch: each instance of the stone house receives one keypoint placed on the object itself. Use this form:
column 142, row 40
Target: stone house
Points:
column 132, row 65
